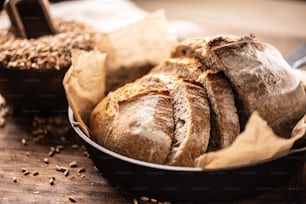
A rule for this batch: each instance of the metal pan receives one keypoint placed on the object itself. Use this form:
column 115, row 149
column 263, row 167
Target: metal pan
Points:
column 193, row 184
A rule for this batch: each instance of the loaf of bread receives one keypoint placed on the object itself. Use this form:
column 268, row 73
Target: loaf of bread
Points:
column 199, row 101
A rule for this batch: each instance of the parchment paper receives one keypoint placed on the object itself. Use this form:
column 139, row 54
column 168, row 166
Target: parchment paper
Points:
column 257, row 143
column 84, row 84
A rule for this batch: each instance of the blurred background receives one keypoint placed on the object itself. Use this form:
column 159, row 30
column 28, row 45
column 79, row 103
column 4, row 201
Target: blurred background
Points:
column 275, row 21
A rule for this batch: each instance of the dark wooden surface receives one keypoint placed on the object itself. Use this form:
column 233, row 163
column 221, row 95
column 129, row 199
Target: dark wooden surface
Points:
column 36, row 189
column 93, row 188
column 89, row 188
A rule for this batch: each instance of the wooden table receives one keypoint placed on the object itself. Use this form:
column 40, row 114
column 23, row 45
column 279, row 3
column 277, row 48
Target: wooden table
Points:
column 22, row 147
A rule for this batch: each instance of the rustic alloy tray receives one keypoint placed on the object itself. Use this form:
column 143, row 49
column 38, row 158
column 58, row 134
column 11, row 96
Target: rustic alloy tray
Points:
column 193, row 184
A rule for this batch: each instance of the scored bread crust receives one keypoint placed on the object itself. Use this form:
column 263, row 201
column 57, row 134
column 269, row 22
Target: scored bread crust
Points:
column 261, row 78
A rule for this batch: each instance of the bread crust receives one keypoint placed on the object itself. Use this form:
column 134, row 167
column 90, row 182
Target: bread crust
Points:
column 140, row 127
column 261, row 78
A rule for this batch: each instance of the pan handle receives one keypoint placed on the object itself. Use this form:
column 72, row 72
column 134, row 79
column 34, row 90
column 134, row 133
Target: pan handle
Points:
column 303, row 149
column 297, row 58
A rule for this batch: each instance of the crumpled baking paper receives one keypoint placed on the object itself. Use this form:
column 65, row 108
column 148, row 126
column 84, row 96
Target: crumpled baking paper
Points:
column 84, row 84
column 256, row 143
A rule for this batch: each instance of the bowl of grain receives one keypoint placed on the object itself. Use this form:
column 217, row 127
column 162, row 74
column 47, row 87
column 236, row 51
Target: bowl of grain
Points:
column 32, row 70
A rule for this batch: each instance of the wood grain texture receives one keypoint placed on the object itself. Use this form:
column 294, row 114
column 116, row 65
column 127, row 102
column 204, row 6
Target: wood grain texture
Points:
column 92, row 188
column 36, row 189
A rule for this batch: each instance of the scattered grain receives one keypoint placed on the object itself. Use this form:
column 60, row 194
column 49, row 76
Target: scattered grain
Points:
column 28, row 154
column 14, row 179
column 26, row 173
column 35, row 173
column 144, row 198
column 73, row 164
column 135, row 201
column 75, row 146
column 36, row 192
column 72, row 199
column 60, row 168
column 59, row 147
column 153, row 200
column 24, row 170
column 23, row 141
column 82, row 169
column 66, row 173
column 46, row 160
column 51, row 181
column 51, row 153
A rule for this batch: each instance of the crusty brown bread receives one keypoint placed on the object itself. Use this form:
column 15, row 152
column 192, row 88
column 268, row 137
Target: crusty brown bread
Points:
column 199, row 101
column 261, row 78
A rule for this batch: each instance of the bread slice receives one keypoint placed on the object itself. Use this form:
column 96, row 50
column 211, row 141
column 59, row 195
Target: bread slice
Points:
column 224, row 117
column 264, row 82
column 192, row 123
column 261, row 78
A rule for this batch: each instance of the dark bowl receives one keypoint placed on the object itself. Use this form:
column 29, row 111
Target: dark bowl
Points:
column 34, row 91
column 183, row 184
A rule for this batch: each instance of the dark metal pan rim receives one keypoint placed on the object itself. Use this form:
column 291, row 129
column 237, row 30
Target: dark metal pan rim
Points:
column 81, row 134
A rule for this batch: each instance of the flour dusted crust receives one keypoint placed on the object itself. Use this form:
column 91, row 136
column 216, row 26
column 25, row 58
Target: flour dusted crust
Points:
column 140, row 127
column 261, row 78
